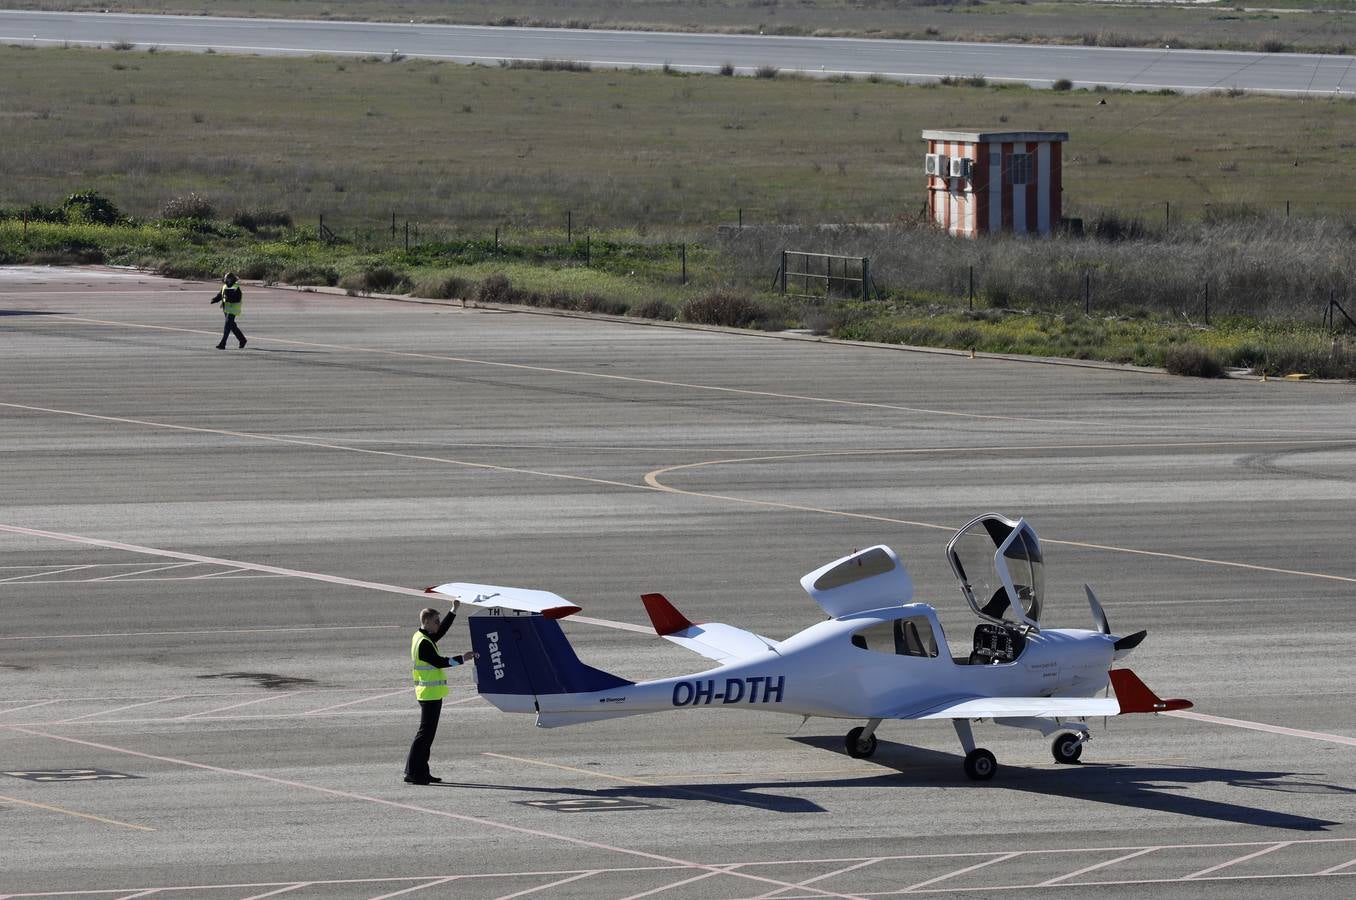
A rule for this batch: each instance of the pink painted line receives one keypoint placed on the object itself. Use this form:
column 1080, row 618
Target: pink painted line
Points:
column 1233, row 862
column 932, row 881
column 257, row 567
column 29, row 706
column 1333, row 870
column 140, row 572
column 106, row 712
column 1262, row 726
column 544, row 887
column 810, row 881
column 221, row 709
column 324, row 709
column 424, row 810
column 417, row 887
column 145, row 893
column 59, row 571
column 1096, row 866
column 686, row 881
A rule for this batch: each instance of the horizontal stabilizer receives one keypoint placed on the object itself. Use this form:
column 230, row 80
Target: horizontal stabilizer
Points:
column 1134, row 695
column 723, row 643
column 1009, row 707
column 493, row 596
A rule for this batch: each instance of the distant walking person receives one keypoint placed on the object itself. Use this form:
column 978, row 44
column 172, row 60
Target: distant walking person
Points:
column 430, row 687
column 230, row 297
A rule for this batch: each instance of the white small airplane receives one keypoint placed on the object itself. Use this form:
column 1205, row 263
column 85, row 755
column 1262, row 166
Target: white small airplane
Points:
column 879, row 656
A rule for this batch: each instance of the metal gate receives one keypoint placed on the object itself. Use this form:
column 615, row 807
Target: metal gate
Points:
column 824, row 276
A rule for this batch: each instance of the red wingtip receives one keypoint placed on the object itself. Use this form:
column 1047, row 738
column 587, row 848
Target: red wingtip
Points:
column 663, row 616
column 431, row 590
column 560, row 612
column 1135, row 696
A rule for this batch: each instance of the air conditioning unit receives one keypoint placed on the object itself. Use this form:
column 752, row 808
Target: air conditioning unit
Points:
column 935, row 164
column 960, row 167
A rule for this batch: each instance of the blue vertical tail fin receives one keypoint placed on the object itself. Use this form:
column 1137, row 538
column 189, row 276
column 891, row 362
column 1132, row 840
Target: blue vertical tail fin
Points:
column 524, row 657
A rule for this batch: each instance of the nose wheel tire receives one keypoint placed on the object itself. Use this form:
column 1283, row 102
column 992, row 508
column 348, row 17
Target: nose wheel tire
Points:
column 858, row 748
column 1067, row 748
column 980, row 764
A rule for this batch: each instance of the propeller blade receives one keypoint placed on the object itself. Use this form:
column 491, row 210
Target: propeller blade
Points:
column 1130, row 641
column 1098, row 615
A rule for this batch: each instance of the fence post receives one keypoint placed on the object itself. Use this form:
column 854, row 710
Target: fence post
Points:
column 972, row 287
column 866, row 278
column 320, row 229
column 496, row 239
column 569, row 226
column 682, row 252
column 1287, row 209
column 783, row 271
column 1087, row 292
column 741, row 218
column 1207, row 302
column 1167, row 215
column 588, row 251
column 393, row 227
column 407, row 235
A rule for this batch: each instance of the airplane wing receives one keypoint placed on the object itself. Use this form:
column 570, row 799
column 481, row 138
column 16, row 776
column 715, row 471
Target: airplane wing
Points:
column 1008, row 707
column 723, row 643
column 493, row 596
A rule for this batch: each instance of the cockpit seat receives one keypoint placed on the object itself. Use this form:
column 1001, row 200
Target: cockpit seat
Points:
column 995, row 644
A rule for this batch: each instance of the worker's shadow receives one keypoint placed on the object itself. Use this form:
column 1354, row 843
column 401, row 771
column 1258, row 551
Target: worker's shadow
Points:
column 1157, row 787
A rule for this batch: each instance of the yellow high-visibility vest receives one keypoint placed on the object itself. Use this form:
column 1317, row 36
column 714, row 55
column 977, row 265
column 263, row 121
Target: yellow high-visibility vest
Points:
column 231, row 307
column 430, row 682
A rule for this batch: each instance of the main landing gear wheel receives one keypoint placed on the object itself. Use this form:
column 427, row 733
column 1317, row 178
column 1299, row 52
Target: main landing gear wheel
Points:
column 1067, row 748
column 858, row 748
column 980, row 764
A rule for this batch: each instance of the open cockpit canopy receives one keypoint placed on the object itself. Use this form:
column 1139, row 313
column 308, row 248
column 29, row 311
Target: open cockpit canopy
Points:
column 1001, row 570
column 868, row 579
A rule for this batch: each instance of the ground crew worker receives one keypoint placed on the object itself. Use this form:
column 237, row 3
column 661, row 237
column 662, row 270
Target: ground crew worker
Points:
column 430, row 687
column 229, row 297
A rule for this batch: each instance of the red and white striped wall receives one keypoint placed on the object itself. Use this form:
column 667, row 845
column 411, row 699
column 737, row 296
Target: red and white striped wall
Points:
column 1004, row 191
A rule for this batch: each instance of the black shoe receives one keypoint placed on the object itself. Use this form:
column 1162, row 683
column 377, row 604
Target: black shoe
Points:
column 242, row 343
column 435, row 779
column 409, row 780
column 221, row 346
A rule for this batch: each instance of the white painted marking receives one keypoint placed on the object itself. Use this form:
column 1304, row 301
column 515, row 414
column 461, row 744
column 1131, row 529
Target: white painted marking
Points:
column 221, row 709
column 836, row 872
column 107, row 712
column 1333, row 870
column 220, row 574
column 142, row 572
column 29, row 706
column 1096, row 866
column 417, row 887
column 145, row 893
column 59, row 571
column 325, row 709
column 282, row 890
column 981, row 865
column 1261, row 726
column 411, row 807
column 544, row 887
column 1233, row 862
column 686, row 881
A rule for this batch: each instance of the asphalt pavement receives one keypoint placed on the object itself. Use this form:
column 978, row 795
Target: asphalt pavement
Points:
column 211, row 565
column 1189, row 71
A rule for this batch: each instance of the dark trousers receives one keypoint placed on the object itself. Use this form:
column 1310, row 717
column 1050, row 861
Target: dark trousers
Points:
column 232, row 328
column 416, row 764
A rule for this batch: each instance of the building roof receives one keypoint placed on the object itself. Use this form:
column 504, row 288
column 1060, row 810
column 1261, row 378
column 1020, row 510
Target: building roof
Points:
column 991, row 137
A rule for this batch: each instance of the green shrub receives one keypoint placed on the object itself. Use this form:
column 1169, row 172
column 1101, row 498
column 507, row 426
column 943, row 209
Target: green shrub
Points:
column 443, row 287
column 1062, row 84
column 1193, row 360
column 254, row 219
column 309, row 273
column 497, row 289
column 653, row 309
column 375, row 280
column 190, row 206
column 723, row 307
column 91, row 208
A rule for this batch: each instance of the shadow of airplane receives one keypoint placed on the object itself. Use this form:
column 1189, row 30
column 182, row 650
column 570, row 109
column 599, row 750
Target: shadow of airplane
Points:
column 1158, row 788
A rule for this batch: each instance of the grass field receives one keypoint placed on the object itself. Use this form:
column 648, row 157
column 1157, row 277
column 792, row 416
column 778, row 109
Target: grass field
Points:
column 1315, row 25
column 468, row 148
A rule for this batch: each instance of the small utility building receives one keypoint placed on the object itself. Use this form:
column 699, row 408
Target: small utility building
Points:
column 984, row 182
